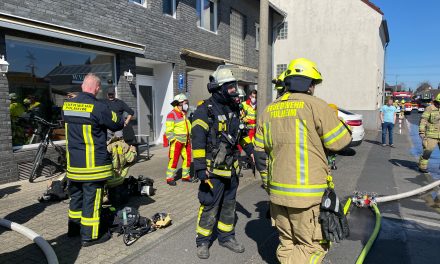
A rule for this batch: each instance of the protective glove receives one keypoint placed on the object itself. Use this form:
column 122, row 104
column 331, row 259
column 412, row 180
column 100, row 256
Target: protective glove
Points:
column 332, row 218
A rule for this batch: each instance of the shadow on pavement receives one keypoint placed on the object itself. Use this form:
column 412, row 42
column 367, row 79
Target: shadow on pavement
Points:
column 347, row 152
column 375, row 142
column 9, row 190
column 264, row 235
column 405, row 163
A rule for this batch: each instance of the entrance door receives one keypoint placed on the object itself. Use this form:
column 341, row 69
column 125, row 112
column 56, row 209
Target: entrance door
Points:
column 145, row 111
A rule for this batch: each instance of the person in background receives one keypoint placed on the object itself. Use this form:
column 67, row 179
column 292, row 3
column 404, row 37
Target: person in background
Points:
column 119, row 107
column 429, row 131
column 388, row 119
column 16, row 110
column 177, row 131
column 250, row 113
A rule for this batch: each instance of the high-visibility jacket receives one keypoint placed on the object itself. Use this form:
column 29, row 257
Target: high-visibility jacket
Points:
column 177, row 126
column 123, row 156
column 430, row 122
column 294, row 131
column 86, row 123
column 16, row 110
column 250, row 114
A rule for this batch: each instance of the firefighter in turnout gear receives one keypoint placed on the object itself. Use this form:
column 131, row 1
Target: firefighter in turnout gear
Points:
column 89, row 165
column 250, row 113
column 177, row 132
column 216, row 134
column 429, row 131
column 293, row 134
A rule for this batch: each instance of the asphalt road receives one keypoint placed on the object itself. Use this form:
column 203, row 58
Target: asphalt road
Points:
column 410, row 229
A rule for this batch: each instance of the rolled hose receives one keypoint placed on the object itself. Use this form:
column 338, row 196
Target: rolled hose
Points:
column 372, row 238
column 407, row 194
column 44, row 246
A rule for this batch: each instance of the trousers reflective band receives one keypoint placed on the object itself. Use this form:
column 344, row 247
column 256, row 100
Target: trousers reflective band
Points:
column 224, row 227
column 297, row 190
column 74, row 214
column 200, row 230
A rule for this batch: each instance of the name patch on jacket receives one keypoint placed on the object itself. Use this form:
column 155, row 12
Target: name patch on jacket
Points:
column 77, row 109
column 284, row 109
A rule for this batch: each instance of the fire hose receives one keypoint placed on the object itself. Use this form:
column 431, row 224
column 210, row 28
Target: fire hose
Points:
column 370, row 200
column 44, row 246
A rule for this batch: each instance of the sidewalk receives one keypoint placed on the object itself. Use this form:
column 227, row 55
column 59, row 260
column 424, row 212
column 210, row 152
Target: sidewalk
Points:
column 18, row 203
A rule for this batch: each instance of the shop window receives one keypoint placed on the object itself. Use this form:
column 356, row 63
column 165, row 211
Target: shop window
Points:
column 281, row 68
column 42, row 75
column 207, row 14
column 282, row 31
column 169, row 7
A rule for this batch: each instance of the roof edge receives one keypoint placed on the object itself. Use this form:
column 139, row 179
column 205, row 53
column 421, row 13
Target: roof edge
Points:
column 373, row 6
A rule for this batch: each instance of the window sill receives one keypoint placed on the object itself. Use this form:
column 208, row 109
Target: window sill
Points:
column 170, row 16
column 142, row 5
column 207, row 30
column 17, row 149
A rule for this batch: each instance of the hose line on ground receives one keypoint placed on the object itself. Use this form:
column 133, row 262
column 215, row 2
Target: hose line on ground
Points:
column 407, row 194
column 372, row 238
column 44, row 246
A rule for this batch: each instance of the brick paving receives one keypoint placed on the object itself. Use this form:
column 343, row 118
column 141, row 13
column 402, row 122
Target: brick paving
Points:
column 18, row 203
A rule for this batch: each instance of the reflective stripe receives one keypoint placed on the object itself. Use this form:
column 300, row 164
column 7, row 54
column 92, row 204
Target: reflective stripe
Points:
column 199, row 229
column 268, row 144
column 297, row 190
column 90, row 147
column 66, row 132
column 224, row 173
column 199, row 153
column 335, row 134
column 93, row 176
column 315, row 257
column 114, row 117
column 89, row 170
column 74, row 214
column 96, row 213
column 301, row 152
column 259, row 141
column 201, row 123
column 225, row 227
column 80, row 114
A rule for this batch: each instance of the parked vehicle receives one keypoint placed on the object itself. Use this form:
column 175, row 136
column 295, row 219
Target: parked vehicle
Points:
column 421, row 108
column 356, row 124
column 407, row 108
column 415, row 105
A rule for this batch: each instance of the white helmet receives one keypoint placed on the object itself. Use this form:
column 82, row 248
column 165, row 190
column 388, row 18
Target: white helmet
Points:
column 180, row 98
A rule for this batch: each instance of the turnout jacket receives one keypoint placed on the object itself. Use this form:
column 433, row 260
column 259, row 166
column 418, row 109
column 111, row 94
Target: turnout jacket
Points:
column 86, row 123
column 250, row 114
column 177, row 126
column 292, row 135
column 212, row 122
column 430, row 122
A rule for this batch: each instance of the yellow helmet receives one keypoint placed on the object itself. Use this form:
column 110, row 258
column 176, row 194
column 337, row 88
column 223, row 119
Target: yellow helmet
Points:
column 279, row 81
column 437, row 98
column 396, row 101
column 403, row 101
column 300, row 74
column 303, row 67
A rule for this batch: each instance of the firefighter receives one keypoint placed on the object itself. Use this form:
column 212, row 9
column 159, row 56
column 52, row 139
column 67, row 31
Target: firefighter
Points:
column 279, row 84
column 250, row 113
column 177, row 132
column 293, row 134
column 16, row 110
column 89, row 165
column 429, row 131
column 215, row 136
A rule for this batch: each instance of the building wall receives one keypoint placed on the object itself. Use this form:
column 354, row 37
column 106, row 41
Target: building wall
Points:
column 343, row 38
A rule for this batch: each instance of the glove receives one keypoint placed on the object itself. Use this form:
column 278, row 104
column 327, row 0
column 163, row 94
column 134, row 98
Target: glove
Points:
column 201, row 175
column 332, row 218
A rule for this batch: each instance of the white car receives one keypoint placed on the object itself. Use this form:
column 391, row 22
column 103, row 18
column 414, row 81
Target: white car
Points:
column 355, row 122
column 421, row 109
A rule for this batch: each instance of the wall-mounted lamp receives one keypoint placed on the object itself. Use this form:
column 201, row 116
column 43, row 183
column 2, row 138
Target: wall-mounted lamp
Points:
column 128, row 76
column 4, row 65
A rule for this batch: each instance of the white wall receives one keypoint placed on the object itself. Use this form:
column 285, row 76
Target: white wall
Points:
column 343, row 38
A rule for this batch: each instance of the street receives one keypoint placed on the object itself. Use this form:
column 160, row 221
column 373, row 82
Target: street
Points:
column 409, row 231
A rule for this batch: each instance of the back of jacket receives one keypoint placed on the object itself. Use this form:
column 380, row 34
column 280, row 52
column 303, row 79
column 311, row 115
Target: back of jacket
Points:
column 293, row 131
column 430, row 122
column 86, row 123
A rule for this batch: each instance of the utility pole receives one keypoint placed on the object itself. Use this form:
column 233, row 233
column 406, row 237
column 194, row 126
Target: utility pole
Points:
column 263, row 60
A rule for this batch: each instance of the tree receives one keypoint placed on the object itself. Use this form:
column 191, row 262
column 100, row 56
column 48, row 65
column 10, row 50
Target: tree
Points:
column 424, row 86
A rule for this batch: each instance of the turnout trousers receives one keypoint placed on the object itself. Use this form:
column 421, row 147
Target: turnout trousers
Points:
column 429, row 145
column 217, row 209
column 85, row 207
column 178, row 149
column 300, row 234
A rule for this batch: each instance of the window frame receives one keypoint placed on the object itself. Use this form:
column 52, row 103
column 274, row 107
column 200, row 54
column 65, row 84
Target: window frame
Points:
column 201, row 19
column 143, row 4
column 173, row 8
column 257, row 36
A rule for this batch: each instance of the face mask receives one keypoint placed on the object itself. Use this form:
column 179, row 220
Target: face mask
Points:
column 185, row 107
column 253, row 100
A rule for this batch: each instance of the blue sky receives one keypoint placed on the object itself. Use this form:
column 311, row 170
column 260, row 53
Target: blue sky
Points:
column 414, row 50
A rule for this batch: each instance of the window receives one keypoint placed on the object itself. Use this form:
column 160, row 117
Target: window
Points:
column 237, row 34
column 282, row 31
column 257, row 36
column 139, row 2
column 169, row 7
column 281, row 68
column 207, row 14
column 42, row 75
